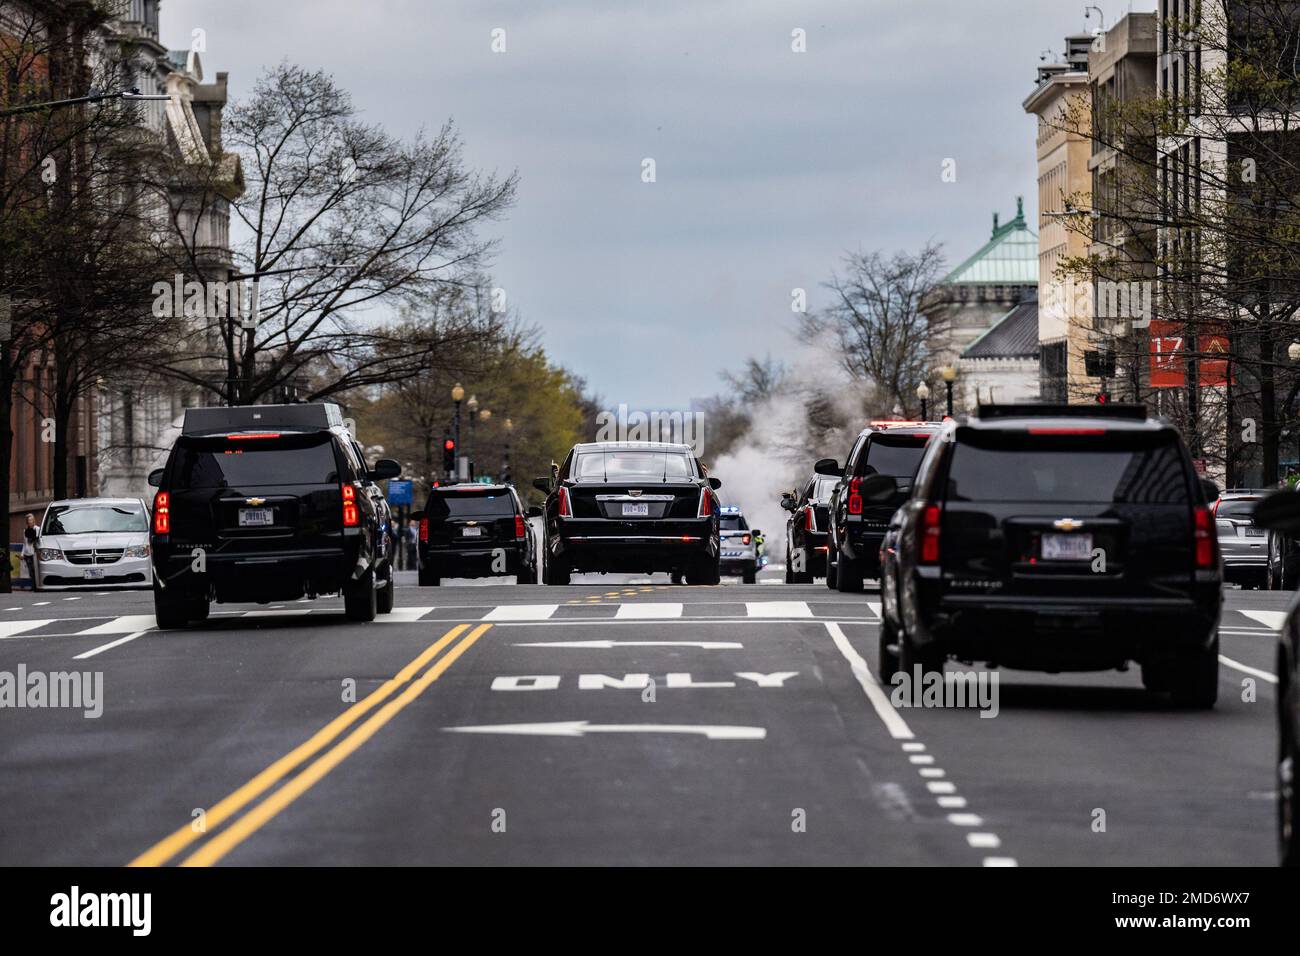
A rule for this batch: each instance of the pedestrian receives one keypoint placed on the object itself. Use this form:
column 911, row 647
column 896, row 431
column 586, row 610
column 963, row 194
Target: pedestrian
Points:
column 412, row 544
column 30, row 536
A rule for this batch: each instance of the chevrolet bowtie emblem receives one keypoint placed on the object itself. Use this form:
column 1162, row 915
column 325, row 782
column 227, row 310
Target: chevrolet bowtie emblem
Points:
column 254, row 501
column 1067, row 524
column 635, row 493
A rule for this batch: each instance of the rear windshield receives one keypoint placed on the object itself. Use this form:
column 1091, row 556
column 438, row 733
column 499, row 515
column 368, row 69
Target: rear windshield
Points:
column 91, row 519
column 247, row 463
column 470, row 504
column 822, row 489
column 631, row 466
column 1236, row 508
column 732, row 523
column 893, row 455
column 1120, row 469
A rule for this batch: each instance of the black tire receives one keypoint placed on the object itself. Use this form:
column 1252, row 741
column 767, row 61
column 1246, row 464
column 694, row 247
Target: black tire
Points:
column 848, row 575
column 888, row 658
column 1194, row 678
column 555, row 573
column 676, row 577
column 170, row 610
column 428, row 577
column 930, row 660
column 1288, row 834
column 704, row 572
column 359, row 600
column 750, row 576
column 831, row 569
column 527, row 574
column 384, row 599
column 199, row 609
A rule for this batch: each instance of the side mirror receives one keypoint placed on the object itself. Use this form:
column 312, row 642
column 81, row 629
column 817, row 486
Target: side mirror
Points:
column 385, row 468
column 787, row 503
column 878, row 488
column 156, row 477
column 715, row 483
column 1210, row 488
column 534, row 512
column 544, row 484
column 1280, row 511
column 829, row 467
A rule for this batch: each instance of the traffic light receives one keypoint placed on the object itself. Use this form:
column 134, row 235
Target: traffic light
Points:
column 448, row 453
column 1103, row 398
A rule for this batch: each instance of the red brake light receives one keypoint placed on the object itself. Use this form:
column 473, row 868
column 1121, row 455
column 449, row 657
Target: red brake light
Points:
column 929, row 533
column 424, row 530
column 162, row 518
column 745, row 539
column 706, row 503
column 521, row 530
column 566, row 509
column 1204, row 534
column 809, row 519
column 1214, row 508
column 351, row 517
column 244, row 436
column 1067, row 431
column 855, row 496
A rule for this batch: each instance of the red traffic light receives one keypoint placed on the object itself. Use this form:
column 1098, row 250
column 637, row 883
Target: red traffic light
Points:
column 449, row 444
column 1103, row 398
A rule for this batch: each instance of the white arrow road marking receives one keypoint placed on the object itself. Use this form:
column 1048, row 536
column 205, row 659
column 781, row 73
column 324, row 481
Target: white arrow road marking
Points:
column 648, row 611
column 578, row 728
column 778, row 609
column 1270, row 619
column 109, row 646
column 122, row 625
column 1262, row 675
column 12, row 628
column 607, row 645
column 521, row 612
column 895, row 724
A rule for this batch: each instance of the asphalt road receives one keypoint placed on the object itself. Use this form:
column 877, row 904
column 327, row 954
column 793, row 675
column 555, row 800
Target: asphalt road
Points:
column 608, row 722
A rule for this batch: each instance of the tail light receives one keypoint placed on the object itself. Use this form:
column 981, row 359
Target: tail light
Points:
column 424, row 530
column 745, row 539
column 809, row 519
column 351, row 517
column 1214, row 508
column 1204, row 533
column 162, row 514
column 855, row 496
column 521, row 531
column 566, row 507
column 706, row 503
column 929, row 534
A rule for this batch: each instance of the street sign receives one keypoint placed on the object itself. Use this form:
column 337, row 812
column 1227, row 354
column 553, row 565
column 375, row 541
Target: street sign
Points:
column 401, row 492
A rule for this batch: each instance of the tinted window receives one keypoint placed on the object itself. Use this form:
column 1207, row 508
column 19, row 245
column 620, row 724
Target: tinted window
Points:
column 1143, row 469
column 226, row 463
column 822, row 488
column 632, row 466
column 733, row 523
column 896, row 457
column 1237, row 508
column 88, row 519
column 470, row 504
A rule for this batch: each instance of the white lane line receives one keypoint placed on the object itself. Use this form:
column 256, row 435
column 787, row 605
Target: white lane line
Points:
column 913, row 747
column 983, row 841
column 403, row 615
column 122, row 625
column 1253, row 672
column 933, row 772
column 521, row 612
column 966, row 819
column 941, row 786
column 648, row 611
column 608, row 645
column 578, row 728
column 272, row 612
column 952, row 802
column 689, row 621
column 778, row 609
column 40, row 604
column 72, row 599
column 1271, row 619
column 921, row 758
column 895, row 724
column 13, row 628
column 110, row 645
column 1000, row 861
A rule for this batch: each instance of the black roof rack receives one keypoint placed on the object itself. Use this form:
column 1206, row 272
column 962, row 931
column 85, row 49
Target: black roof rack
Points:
column 1046, row 410
column 313, row 416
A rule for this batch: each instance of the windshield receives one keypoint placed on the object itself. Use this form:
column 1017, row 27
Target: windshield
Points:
column 632, row 466
column 472, row 504
column 733, row 523
column 226, row 463
column 91, row 519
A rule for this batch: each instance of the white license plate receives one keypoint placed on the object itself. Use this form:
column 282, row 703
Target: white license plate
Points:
column 256, row 517
column 636, row 510
column 1254, row 532
column 1067, row 547
column 471, row 532
column 91, row 574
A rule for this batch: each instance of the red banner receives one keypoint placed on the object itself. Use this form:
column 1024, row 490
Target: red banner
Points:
column 1169, row 350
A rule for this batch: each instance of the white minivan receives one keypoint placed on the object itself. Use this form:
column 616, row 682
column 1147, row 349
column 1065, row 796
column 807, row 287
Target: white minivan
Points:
column 94, row 542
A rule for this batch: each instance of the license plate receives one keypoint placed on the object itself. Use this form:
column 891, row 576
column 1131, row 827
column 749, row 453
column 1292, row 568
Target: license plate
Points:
column 256, row 517
column 1067, row 547
column 1254, row 532
column 471, row 532
column 636, row 510
column 92, row 573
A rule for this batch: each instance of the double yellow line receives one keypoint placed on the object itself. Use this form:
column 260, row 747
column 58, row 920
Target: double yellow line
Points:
column 248, row 824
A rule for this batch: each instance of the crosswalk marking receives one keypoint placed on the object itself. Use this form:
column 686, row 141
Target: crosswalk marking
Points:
column 777, row 609
column 403, row 615
column 122, row 625
column 875, row 609
column 1270, row 619
column 649, row 611
column 521, row 612
column 12, row 628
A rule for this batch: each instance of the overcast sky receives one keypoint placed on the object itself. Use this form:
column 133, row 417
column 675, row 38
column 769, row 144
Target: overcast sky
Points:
column 769, row 163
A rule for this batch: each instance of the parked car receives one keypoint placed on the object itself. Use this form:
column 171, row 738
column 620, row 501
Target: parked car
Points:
column 96, row 542
column 807, row 530
column 1055, row 538
column 1244, row 544
column 475, row 531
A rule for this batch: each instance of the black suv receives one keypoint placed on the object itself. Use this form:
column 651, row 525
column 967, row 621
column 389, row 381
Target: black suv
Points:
column 807, row 529
column 1055, row 538
column 268, row 503
column 856, row 525
column 631, row 507
column 476, row 531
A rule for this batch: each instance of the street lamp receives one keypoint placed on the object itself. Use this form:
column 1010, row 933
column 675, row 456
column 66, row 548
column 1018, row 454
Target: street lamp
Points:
column 923, row 393
column 457, row 396
column 505, row 465
column 472, row 405
column 1293, row 351
column 949, row 374
column 131, row 95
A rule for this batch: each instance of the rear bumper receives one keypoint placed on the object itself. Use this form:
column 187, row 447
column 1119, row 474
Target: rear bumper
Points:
column 863, row 544
column 475, row 562
column 259, row 575
column 596, row 545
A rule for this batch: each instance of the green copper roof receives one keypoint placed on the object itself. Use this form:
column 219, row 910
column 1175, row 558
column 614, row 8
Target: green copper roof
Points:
column 1009, row 258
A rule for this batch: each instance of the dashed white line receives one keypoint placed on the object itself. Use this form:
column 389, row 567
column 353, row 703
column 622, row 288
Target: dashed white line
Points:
column 1253, row 672
column 983, row 841
column 109, row 646
column 966, row 819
